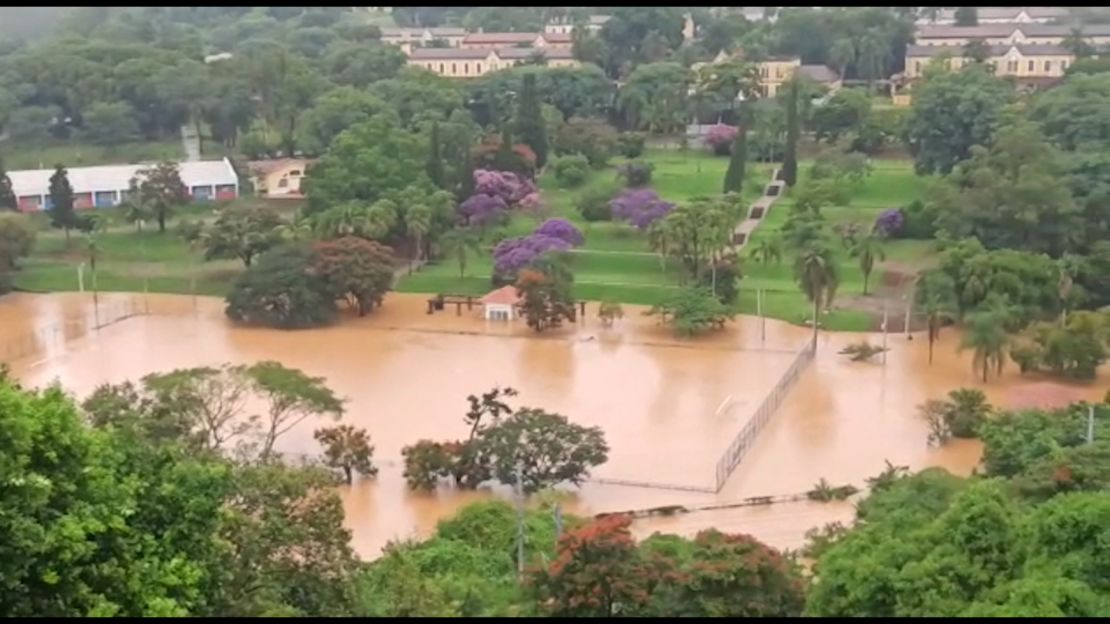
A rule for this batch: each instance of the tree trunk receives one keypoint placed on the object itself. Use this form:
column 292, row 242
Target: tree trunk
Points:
column 66, row 230
column 866, row 276
column 347, row 471
column 161, row 221
column 986, row 369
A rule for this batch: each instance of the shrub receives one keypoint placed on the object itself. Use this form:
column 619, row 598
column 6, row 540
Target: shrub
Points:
column 720, row 137
column 692, row 311
column 571, row 170
column 631, row 144
column 636, row 174
column 918, row 222
column 17, row 238
column 593, row 204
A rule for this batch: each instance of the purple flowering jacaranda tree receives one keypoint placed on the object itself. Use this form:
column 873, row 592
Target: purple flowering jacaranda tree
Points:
column 640, row 207
column 481, row 209
column 561, row 229
column 510, row 187
column 890, row 222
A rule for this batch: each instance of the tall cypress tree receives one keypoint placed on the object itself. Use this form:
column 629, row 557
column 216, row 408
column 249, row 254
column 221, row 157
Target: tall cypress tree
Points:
column 435, row 157
column 61, row 197
column 7, row 195
column 790, row 155
column 466, row 175
column 734, row 177
column 529, row 120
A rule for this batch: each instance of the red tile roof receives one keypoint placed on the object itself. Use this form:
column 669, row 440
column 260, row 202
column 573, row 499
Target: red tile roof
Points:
column 506, row 295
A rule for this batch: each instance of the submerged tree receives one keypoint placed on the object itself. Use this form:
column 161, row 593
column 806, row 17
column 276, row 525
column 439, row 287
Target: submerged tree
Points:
column 347, row 449
column 291, row 397
column 935, row 299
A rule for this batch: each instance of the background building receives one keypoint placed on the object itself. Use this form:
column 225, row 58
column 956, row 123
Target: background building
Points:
column 1095, row 34
column 104, row 186
column 409, row 38
column 1003, row 15
column 474, row 62
column 279, row 178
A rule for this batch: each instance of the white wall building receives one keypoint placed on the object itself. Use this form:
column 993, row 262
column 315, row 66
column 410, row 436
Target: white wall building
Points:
column 500, row 304
column 105, row 186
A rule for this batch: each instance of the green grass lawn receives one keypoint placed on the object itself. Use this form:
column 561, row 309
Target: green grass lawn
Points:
column 615, row 261
column 126, row 258
column 46, row 155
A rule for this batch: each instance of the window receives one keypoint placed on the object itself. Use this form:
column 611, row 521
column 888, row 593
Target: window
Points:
column 1063, row 64
column 283, row 182
column 1047, row 66
column 441, row 70
column 1011, row 66
column 294, row 173
column 1032, row 65
column 479, row 69
column 466, row 68
column 454, row 69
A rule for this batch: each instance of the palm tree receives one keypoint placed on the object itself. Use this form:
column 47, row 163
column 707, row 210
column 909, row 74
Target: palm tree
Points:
column 816, row 274
column 985, row 334
column 458, row 243
column 659, row 241
column 873, row 53
column 768, row 250
column 936, row 300
column 418, row 221
column 1067, row 265
column 867, row 249
column 1077, row 44
column 842, row 54
column 349, row 219
column 298, row 230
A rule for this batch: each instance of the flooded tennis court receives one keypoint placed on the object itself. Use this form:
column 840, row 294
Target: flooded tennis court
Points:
column 669, row 408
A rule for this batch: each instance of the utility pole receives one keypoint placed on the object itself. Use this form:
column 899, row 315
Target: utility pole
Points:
column 558, row 513
column 146, row 278
column 762, row 319
column 519, row 491
column 885, row 318
column 1090, row 424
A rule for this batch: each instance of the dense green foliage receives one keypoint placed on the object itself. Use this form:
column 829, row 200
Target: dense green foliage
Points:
column 1023, row 540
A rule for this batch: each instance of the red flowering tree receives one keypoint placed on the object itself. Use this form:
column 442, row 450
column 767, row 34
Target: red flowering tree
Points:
column 355, row 269
column 734, row 575
column 598, row 572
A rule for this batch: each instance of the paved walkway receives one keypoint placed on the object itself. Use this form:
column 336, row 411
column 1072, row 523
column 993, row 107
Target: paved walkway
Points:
column 191, row 140
column 742, row 234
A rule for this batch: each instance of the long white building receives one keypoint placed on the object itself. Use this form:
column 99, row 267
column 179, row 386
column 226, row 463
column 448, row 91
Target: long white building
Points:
column 104, row 186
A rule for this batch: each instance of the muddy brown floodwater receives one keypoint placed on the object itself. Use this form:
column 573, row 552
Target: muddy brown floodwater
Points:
column 669, row 408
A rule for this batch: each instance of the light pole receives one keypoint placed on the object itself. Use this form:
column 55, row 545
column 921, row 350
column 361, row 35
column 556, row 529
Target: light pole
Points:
column 146, row 265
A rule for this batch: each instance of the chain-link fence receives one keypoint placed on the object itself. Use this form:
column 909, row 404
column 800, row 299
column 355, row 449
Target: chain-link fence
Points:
column 748, row 434
column 54, row 336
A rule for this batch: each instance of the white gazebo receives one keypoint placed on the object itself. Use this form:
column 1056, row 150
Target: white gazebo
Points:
column 500, row 304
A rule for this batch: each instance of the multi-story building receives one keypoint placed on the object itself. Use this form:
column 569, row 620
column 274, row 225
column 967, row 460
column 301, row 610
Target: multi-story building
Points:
column 1002, row 34
column 475, row 62
column 502, row 40
column 774, row 71
column 566, row 27
column 408, row 38
column 1030, row 64
column 1003, row 15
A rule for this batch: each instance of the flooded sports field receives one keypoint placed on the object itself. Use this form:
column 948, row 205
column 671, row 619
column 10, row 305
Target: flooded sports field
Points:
column 669, row 408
